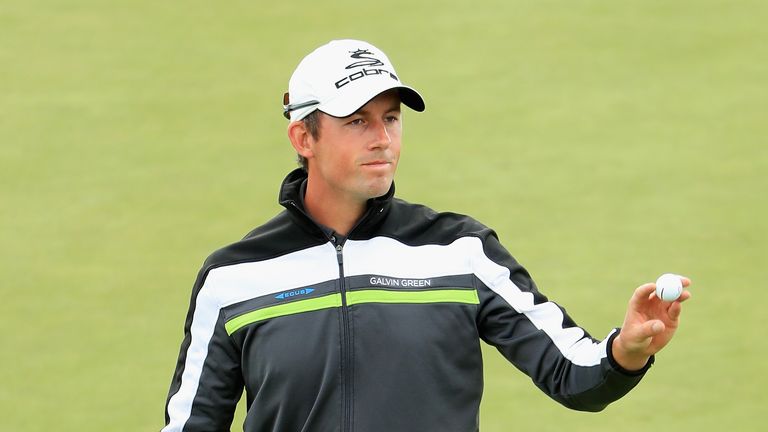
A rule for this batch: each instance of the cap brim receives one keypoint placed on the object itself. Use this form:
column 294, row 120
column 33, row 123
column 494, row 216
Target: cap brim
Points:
column 411, row 98
column 354, row 100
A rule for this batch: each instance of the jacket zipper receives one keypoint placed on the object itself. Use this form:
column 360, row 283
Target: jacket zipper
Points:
column 346, row 346
column 347, row 366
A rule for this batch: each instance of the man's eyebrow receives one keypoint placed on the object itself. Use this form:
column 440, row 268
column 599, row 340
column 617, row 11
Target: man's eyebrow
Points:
column 394, row 107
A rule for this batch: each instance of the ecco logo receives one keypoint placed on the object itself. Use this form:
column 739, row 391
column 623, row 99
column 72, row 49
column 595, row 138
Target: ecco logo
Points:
column 294, row 293
column 363, row 73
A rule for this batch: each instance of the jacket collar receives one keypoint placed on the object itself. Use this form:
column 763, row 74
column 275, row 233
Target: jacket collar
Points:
column 294, row 185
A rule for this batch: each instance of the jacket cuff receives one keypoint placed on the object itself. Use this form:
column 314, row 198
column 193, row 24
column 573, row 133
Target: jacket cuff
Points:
column 616, row 366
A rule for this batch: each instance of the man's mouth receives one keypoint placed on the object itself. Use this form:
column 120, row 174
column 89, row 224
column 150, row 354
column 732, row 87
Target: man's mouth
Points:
column 377, row 163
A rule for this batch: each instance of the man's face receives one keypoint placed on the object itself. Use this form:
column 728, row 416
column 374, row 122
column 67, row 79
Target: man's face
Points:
column 355, row 157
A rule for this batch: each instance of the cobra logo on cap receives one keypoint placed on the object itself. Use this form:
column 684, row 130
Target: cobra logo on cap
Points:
column 365, row 58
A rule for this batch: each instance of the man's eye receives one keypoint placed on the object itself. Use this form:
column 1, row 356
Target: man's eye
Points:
column 393, row 119
column 356, row 122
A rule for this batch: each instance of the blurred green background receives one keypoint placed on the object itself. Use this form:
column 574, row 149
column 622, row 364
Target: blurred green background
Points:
column 606, row 142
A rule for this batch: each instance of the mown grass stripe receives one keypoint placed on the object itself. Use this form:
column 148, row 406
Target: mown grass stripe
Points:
column 325, row 302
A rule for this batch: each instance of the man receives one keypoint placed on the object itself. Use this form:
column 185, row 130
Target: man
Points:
column 355, row 311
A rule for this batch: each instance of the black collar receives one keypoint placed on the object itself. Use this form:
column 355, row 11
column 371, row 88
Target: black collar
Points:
column 292, row 198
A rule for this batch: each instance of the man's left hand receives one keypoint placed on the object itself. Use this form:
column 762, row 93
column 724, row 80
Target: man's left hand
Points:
column 648, row 326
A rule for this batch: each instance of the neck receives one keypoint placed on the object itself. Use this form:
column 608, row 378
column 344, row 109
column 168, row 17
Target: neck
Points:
column 333, row 211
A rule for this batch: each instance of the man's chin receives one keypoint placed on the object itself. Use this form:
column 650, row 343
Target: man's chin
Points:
column 379, row 187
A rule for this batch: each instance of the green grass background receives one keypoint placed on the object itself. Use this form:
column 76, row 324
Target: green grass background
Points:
column 606, row 142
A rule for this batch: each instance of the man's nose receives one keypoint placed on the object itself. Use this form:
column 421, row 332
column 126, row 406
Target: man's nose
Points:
column 381, row 136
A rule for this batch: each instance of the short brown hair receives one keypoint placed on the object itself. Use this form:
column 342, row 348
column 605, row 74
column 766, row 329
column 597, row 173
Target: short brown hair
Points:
column 312, row 124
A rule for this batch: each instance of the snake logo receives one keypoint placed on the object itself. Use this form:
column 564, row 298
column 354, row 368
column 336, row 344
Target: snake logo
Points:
column 361, row 54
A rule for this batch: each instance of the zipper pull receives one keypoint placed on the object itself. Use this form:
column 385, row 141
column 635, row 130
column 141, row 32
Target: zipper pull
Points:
column 339, row 255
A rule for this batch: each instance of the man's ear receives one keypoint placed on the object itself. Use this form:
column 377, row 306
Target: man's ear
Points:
column 301, row 139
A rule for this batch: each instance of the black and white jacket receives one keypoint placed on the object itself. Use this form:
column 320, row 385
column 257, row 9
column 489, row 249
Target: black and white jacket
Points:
column 378, row 332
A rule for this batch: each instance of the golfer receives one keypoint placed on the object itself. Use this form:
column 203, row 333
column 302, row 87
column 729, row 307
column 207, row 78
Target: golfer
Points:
column 355, row 311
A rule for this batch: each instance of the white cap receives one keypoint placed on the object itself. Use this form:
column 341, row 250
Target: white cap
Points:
column 340, row 77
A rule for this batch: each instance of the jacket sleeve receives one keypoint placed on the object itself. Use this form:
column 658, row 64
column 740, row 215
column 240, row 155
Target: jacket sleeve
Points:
column 207, row 382
column 540, row 339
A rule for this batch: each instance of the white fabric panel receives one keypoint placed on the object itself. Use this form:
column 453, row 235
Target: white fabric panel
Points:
column 571, row 342
column 232, row 284
column 388, row 257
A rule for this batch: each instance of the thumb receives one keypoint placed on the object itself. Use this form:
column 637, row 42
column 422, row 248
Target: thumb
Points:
column 652, row 328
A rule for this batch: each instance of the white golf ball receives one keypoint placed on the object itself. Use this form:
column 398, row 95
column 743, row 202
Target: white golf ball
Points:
column 669, row 287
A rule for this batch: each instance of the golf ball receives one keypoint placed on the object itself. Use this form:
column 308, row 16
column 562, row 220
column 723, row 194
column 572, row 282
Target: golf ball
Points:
column 669, row 287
